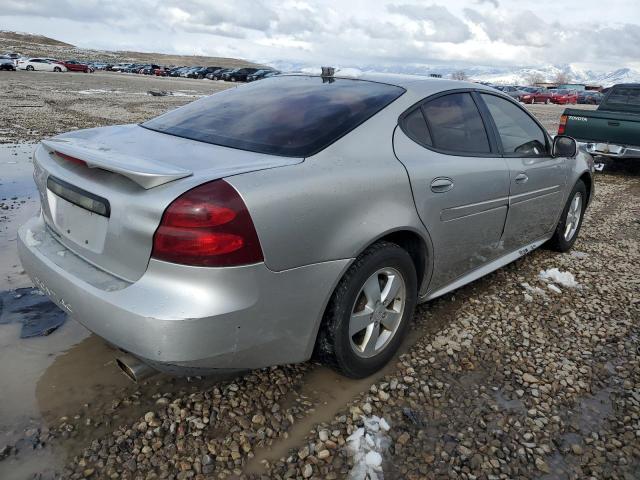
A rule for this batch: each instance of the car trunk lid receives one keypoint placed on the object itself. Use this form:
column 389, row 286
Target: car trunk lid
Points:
column 103, row 191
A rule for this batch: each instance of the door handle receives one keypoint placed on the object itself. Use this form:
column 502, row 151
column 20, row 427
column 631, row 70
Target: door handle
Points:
column 522, row 178
column 441, row 185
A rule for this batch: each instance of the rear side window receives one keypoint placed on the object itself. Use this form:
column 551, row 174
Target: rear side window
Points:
column 293, row 116
column 456, row 125
column 622, row 97
column 416, row 128
column 519, row 134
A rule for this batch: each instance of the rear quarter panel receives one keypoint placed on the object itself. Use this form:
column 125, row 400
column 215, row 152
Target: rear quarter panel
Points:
column 335, row 203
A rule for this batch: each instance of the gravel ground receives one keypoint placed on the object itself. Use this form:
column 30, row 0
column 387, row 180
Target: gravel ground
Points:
column 504, row 378
column 36, row 105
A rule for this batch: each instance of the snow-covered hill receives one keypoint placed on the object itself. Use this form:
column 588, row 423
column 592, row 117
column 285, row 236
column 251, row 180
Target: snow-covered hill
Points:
column 499, row 75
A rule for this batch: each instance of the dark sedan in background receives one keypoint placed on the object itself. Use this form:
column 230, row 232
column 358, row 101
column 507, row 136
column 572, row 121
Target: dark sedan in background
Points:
column 239, row 74
column 590, row 97
column 219, row 74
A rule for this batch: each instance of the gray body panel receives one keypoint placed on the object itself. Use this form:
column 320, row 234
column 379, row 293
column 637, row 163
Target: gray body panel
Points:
column 476, row 202
column 313, row 216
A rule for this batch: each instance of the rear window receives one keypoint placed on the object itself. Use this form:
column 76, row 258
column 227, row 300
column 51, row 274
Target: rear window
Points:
column 624, row 97
column 293, row 116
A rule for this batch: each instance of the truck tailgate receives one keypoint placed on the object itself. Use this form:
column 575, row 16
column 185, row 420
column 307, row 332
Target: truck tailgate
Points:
column 603, row 126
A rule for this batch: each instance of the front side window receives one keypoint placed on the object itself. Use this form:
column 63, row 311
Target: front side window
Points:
column 519, row 134
column 455, row 124
column 293, row 116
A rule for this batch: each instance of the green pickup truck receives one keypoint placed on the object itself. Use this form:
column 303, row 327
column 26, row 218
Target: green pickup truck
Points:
column 613, row 130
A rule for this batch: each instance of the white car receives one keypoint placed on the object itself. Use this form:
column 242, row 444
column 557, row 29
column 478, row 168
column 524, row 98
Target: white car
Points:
column 44, row 64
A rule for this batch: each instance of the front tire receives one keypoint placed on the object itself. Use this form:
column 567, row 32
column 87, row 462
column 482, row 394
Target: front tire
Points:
column 57, row 69
column 570, row 222
column 30, row 68
column 369, row 312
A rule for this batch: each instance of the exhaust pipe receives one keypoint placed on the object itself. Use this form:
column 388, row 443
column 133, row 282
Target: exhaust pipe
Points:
column 134, row 368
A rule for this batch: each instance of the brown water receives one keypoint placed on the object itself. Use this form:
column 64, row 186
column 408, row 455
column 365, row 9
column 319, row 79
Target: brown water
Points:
column 42, row 378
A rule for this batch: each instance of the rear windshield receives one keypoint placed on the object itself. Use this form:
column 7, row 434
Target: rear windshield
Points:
column 293, row 116
column 624, row 98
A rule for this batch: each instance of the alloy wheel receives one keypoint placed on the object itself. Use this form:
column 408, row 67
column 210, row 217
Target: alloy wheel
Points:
column 573, row 217
column 377, row 312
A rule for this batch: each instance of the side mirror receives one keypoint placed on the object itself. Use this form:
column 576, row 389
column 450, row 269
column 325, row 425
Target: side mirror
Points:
column 564, row 146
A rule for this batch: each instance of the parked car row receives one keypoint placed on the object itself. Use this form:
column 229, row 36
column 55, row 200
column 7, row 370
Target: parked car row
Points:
column 560, row 96
column 245, row 74
column 13, row 61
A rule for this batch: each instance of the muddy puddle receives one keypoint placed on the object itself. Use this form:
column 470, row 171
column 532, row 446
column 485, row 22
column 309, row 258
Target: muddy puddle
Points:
column 42, row 377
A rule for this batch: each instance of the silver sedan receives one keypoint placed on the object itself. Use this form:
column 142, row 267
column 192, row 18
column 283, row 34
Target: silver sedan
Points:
column 294, row 217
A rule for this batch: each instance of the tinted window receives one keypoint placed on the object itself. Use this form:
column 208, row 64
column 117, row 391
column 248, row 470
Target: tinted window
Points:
column 624, row 96
column 518, row 133
column 290, row 116
column 416, row 128
column 455, row 124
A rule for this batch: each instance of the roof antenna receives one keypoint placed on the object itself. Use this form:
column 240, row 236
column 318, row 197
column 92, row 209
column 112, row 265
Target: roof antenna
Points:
column 328, row 71
column 327, row 74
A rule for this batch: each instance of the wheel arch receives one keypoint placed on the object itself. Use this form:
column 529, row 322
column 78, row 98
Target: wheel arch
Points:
column 587, row 179
column 418, row 246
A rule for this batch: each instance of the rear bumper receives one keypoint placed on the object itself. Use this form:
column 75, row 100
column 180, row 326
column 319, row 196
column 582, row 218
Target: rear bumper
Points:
column 187, row 320
column 610, row 150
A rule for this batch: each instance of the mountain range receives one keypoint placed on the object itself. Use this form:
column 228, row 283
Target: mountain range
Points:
column 500, row 75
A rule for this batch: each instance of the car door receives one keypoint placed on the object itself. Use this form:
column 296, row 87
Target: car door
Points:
column 537, row 180
column 460, row 183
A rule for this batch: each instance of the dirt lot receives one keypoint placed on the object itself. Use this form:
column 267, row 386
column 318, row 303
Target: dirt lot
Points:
column 504, row 378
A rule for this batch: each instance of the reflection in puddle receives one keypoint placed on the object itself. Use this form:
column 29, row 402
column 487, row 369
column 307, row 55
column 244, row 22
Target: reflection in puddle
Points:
column 38, row 315
column 18, row 202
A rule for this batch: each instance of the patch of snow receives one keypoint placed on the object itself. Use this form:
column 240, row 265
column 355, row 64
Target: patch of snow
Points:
column 532, row 290
column 565, row 279
column 553, row 288
column 31, row 240
column 579, row 255
column 96, row 91
column 185, row 94
column 373, row 459
column 366, row 446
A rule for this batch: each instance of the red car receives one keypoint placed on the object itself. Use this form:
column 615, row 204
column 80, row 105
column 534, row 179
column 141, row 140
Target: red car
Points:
column 563, row 97
column 542, row 96
column 76, row 66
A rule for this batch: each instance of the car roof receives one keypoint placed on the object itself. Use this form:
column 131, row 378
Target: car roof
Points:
column 419, row 85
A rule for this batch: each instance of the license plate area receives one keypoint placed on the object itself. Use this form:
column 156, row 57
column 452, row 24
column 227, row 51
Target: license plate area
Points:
column 74, row 217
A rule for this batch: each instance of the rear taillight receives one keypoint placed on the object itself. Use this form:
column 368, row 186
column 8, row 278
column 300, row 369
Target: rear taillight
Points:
column 563, row 124
column 208, row 226
column 70, row 159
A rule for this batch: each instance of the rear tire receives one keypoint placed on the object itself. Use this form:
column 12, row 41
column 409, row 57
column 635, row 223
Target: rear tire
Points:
column 570, row 222
column 547, row 101
column 369, row 312
column 56, row 69
column 30, row 68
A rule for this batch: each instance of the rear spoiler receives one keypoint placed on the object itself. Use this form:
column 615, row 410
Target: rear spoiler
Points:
column 143, row 171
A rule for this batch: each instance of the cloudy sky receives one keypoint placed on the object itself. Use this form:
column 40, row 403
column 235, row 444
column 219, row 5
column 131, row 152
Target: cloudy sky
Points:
column 588, row 33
